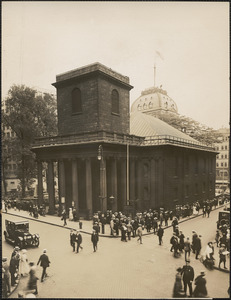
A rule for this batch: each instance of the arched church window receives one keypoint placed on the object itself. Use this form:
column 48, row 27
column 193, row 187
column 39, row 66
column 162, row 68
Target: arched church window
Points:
column 139, row 107
column 166, row 104
column 76, row 101
column 115, row 102
column 145, row 106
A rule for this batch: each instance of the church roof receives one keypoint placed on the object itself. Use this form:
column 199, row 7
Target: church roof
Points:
column 153, row 99
column 145, row 125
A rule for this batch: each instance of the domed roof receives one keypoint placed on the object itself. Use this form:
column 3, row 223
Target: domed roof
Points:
column 154, row 99
column 146, row 126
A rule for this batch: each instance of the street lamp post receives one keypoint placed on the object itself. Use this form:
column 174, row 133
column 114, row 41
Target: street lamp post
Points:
column 102, row 179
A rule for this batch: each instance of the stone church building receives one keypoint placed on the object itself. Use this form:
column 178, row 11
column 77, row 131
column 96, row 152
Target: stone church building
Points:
column 109, row 158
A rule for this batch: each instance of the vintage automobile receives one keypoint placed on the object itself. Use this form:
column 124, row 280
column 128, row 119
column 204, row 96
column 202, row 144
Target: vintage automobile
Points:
column 223, row 219
column 17, row 233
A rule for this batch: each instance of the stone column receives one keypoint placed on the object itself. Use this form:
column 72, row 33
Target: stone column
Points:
column 50, row 187
column 153, row 184
column 132, row 179
column 40, row 183
column 114, row 184
column 103, row 185
column 89, row 188
column 123, row 181
column 75, row 197
column 62, row 192
column 140, row 186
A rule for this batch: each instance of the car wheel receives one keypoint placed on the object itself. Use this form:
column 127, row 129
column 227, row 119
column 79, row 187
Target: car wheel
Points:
column 36, row 242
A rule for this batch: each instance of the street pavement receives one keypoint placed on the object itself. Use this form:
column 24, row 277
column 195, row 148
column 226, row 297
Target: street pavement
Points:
column 117, row 269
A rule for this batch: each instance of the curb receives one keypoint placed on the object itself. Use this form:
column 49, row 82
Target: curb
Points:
column 222, row 270
column 15, row 288
column 102, row 235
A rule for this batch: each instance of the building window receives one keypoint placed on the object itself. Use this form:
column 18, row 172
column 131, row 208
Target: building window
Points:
column 221, row 156
column 221, row 164
column 139, row 107
column 203, row 187
column 186, row 165
column 225, row 164
column 76, row 101
column 222, row 148
column 196, row 189
column 225, row 155
column 176, row 166
column 217, row 164
column 145, row 106
column 150, row 105
column 196, row 165
column 225, row 147
column 115, row 102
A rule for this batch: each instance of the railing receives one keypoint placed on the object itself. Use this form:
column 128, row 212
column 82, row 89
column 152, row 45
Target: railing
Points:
column 111, row 137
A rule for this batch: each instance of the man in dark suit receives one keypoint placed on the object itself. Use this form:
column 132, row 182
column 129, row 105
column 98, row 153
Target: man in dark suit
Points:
column 73, row 239
column 188, row 276
column 79, row 241
column 197, row 246
column 44, row 263
column 94, row 239
column 160, row 234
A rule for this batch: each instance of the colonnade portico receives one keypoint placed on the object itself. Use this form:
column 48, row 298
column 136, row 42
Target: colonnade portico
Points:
column 90, row 185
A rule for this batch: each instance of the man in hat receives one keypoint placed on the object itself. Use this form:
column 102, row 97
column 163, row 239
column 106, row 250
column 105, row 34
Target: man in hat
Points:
column 160, row 234
column 197, row 245
column 44, row 263
column 200, row 289
column 155, row 224
column 13, row 269
column 188, row 276
column 174, row 223
column 222, row 256
column 194, row 236
column 79, row 241
column 187, row 249
column 73, row 239
column 6, row 274
column 15, row 251
column 94, row 239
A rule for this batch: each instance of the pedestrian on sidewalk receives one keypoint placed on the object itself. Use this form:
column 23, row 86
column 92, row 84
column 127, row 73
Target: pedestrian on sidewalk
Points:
column 208, row 209
column 64, row 217
column 188, row 276
column 217, row 237
column 194, row 236
column 73, row 239
column 155, row 224
column 178, row 291
column 32, row 283
column 94, row 239
column 197, row 245
column 200, row 290
column 78, row 241
column 181, row 241
column 160, row 234
column 24, row 266
column 44, row 263
column 204, row 211
column 13, row 269
column 6, row 274
column 139, row 232
column 187, row 249
column 103, row 223
column 222, row 256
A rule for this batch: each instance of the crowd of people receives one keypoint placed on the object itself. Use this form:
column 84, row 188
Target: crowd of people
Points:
column 19, row 265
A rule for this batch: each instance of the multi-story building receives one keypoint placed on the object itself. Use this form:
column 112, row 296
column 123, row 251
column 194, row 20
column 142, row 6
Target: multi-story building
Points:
column 222, row 159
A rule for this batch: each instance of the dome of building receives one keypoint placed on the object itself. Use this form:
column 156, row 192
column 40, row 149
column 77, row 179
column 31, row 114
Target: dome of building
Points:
column 154, row 101
column 148, row 126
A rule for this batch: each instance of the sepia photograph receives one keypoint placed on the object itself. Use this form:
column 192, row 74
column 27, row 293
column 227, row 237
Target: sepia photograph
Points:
column 115, row 158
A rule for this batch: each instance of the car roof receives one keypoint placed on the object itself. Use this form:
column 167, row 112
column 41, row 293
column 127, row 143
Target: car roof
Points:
column 19, row 222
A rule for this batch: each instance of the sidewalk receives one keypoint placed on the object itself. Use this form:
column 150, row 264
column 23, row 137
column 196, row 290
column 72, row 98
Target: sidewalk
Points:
column 86, row 225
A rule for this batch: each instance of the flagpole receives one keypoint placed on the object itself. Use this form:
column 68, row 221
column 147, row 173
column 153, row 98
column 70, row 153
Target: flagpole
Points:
column 154, row 74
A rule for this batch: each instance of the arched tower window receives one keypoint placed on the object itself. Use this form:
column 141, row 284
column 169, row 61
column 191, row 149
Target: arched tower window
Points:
column 115, row 102
column 76, row 101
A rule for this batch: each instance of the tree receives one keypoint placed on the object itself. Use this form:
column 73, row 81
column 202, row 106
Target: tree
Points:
column 29, row 115
column 199, row 132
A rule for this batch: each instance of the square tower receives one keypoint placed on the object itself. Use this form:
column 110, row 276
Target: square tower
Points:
column 92, row 98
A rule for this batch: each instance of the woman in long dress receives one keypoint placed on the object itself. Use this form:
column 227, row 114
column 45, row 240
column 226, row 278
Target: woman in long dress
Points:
column 24, row 266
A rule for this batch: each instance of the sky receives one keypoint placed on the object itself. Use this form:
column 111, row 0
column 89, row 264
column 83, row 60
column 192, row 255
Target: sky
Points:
column 43, row 39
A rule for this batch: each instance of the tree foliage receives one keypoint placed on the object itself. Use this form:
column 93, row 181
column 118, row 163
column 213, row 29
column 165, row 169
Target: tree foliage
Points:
column 29, row 115
column 196, row 130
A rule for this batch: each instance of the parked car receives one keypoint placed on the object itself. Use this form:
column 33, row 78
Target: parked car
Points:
column 17, row 233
